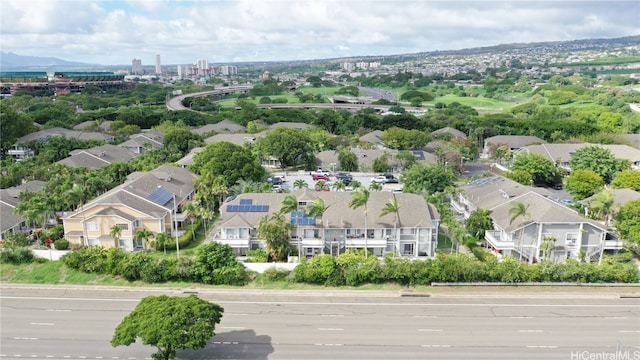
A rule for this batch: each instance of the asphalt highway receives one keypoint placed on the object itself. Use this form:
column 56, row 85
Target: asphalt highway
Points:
column 50, row 322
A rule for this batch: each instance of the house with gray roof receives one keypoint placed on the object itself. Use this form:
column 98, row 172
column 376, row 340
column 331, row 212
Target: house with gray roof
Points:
column 513, row 142
column 222, row 127
column 90, row 125
column 291, row 125
column 21, row 149
column 571, row 236
column 9, row 199
column 98, row 156
column 139, row 143
column 151, row 200
column 560, row 154
column 413, row 233
column 238, row 139
column 448, row 131
column 328, row 159
column 374, row 137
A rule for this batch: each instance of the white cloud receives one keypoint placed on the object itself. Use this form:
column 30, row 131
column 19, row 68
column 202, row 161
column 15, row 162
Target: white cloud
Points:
column 114, row 32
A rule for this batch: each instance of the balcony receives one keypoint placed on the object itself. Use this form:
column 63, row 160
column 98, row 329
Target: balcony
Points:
column 312, row 242
column 235, row 243
column 494, row 238
column 360, row 243
column 613, row 244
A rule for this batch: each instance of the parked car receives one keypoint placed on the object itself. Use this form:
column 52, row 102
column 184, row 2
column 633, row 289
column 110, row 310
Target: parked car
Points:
column 385, row 179
column 276, row 180
column 320, row 176
column 344, row 177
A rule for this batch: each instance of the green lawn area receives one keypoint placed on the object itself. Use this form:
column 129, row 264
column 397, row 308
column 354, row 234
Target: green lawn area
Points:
column 476, row 102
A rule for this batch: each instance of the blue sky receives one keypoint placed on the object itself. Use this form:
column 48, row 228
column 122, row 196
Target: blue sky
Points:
column 224, row 31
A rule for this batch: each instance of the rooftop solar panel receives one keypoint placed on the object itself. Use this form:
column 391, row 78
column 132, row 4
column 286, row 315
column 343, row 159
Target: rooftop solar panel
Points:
column 160, row 196
column 246, row 201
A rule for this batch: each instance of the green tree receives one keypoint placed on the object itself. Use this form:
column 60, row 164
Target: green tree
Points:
column 403, row 139
column 161, row 240
column 143, row 234
column 317, row 208
column 519, row 211
column 215, row 263
column 583, row 183
column 427, row 178
column 360, row 198
column 231, row 161
column 348, row 160
column 628, row 224
column 392, row 207
column 598, row 159
column 115, row 232
column 478, row 222
column 602, row 205
column 181, row 140
column 300, row 184
column 406, row 159
column 542, row 170
column 170, row 324
column 289, row 146
column 520, row 176
column 276, row 232
column 13, row 125
column 381, row 163
column 290, row 204
column 627, row 179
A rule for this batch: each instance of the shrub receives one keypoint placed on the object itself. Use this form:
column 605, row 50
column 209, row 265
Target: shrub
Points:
column 257, row 256
column 16, row 255
column 215, row 263
column 274, row 274
column 61, row 244
column 89, row 259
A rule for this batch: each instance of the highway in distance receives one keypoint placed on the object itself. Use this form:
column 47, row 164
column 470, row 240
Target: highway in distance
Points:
column 50, row 322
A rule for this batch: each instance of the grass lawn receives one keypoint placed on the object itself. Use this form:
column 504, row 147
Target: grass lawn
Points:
column 476, row 102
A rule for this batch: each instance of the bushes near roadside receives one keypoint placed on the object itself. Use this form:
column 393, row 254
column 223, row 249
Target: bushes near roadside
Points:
column 354, row 269
column 16, row 255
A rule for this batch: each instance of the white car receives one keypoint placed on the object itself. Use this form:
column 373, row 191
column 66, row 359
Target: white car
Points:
column 380, row 179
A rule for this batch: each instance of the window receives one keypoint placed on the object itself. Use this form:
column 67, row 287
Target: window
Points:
column 137, row 223
column 123, row 226
column 92, row 226
column 571, row 239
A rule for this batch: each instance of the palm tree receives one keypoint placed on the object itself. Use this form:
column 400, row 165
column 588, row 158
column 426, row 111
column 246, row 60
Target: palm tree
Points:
column 603, row 206
column 190, row 210
column 161, row 240
column 300, row 184
column 392, row 207
column 317, row 209
column 360, row 198
column 276, row 232
column 339, row 185
column 375, row 186
column 321, row 185
column 548, row 244
column 355, row 184
column 144, row 234
column 519, row 210
column 290, row 204
column 115, row 232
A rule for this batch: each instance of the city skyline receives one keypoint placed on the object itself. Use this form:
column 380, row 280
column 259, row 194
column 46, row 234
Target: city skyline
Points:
column 115, row 32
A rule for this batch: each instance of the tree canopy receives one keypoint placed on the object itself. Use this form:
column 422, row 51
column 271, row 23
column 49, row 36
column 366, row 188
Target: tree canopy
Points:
column 170, row 324
column 598, row 159
column 542, row 170
column 427, row 178
column 289, row 146
column 583, row 183
column 232, row 161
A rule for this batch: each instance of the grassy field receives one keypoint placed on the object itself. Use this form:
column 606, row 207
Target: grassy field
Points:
column 476, row 102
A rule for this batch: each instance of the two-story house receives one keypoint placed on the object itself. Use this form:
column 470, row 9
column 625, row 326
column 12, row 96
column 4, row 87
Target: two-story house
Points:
column 412, row 232
column 151, row 200
column 547, row 230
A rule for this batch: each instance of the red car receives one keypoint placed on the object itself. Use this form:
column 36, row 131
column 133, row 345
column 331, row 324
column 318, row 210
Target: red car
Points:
column 317, row 177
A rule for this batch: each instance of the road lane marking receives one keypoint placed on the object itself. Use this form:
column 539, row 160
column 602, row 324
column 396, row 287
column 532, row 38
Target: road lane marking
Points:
column 431, row 330
column 59, row 310
column 331, row 315
column 25, row 338
column 330, row 329
column 436, row 346
column 615, row 317
column 629, row 331
column 328, row 344
column 530, row 331
column 542, row 346
column 425, row 316
column 43, row 324
column 520, row 317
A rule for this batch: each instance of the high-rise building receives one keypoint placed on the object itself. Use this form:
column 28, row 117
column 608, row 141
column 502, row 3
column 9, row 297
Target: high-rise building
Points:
column 136, row 67
column 158, row 66
column 228, row 70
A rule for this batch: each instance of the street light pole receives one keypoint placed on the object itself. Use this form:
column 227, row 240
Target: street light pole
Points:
column 175, row 222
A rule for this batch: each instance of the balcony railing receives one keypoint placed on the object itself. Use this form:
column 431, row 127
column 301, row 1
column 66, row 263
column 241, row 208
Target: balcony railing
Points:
column 361, row 242
column 494, row 237
column 613, row 244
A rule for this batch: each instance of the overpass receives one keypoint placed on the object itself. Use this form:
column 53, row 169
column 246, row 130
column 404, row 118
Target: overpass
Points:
column 175, row 103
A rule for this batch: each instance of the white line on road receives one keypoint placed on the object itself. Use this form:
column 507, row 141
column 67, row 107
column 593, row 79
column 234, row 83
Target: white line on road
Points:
column 630, row 331
column 43, row 324
column 615, row 317
column 431, row 330
column 436, row 346
column 329, row 344
column 25, row 338
column 330, row 329
column 331, row 315
column 542, row 346
column 59, row 310
column 520, row 317
column 530, row 331
column 425, row 316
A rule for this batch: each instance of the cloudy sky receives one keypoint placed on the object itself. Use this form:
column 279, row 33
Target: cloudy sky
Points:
column 183, row 31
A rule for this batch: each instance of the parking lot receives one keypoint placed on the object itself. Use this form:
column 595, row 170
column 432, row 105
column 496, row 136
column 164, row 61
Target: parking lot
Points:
column 291, row 177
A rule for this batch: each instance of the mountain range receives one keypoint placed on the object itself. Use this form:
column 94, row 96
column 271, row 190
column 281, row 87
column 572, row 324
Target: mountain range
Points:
column 13, row 62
